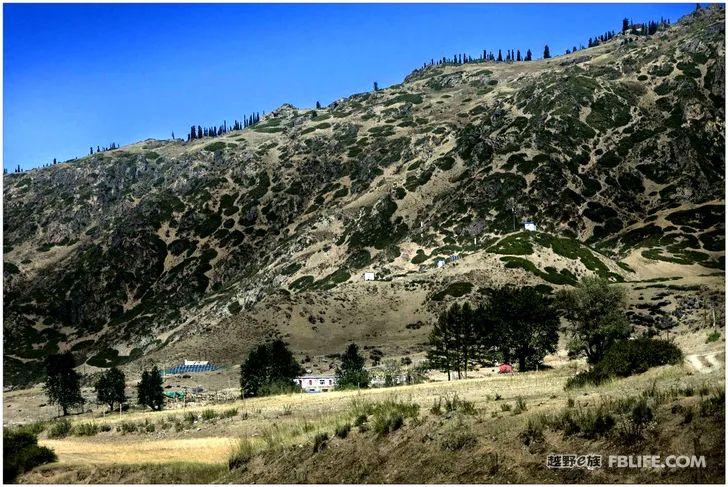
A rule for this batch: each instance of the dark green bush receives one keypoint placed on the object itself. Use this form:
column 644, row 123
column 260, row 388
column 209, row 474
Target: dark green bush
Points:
column 320, row 442
column 628, row 357
column 21, row 453
column 59, row 429
column 342, row 430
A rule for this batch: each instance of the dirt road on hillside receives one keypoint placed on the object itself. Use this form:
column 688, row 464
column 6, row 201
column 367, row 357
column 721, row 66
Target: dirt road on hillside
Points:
column 705, row 363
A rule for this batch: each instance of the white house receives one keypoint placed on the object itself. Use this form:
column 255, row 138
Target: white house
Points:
column 440, row 263
column 369, row 276
column 316, row 382
column 196, row 362
column 529, row 226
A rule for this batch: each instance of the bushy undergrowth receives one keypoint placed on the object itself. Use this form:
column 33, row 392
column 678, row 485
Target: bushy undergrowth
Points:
column 628, row 357
column 447, row 404
column 85, row 429
column 21, row 453
column 386, row 416
column 342, row 430
column 241, row 454
column 59, row 429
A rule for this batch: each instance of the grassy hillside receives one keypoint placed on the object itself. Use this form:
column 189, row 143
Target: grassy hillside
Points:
column 164, row 248
column 494, row 428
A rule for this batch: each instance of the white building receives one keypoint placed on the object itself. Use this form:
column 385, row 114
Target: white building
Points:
column 196, row 362
column 440, row 263
column 529, row 226
column 369, row 276
column 316, row 382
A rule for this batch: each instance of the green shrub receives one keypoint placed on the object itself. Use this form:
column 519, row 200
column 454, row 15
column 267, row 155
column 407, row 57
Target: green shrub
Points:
column 389, row 415
column 127, row 427
column 85, row 429
column 714, row 405
column 189, row 417
column 587, row 423
column 320, row 442
column 533, row 434
column 33, row 428
column 208, row 414
column 21, row 453
column 59, row 429
column 360, row 420
column 639, row 418
column 229, row 413
column 628, row 357
column 520, row 405
column 456, row 290
column 342, row 430
column 457, row 437
column 241, row 454
column 713, row 337
column 455, row 403
column 215, row 146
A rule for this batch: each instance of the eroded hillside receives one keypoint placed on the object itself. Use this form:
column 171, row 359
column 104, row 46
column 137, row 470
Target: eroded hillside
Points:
column 163, row 248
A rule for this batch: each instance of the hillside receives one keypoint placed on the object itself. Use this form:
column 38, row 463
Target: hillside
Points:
column 167, row 249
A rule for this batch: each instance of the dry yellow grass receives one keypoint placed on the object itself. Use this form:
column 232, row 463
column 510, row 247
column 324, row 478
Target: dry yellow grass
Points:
column 96, row 451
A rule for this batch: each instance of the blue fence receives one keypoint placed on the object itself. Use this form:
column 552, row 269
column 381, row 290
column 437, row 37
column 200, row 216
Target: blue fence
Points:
column 190, row 369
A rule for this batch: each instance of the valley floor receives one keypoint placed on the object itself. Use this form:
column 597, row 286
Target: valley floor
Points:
column 492, row 443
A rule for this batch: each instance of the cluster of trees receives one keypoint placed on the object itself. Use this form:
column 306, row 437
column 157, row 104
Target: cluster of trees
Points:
column 199, row 132
column 63, row 385
column 269, row 369
column 646, row 28
column 521, row 324
column 112, row 146
column 511, row 56
column 514, row 324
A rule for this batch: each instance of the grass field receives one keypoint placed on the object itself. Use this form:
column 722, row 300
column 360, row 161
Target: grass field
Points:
column 486, row 444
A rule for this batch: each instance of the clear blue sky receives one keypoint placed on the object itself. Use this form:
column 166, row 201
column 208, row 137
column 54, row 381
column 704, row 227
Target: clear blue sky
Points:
column 81, row 75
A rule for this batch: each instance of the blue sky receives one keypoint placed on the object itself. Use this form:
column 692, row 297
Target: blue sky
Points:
column 81, row 75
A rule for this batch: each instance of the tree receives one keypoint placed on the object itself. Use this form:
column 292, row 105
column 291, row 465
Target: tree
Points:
column 351, row 373
column 62, row 383
column 546, row 52
column 318, row 105
column 455, row 340
column 518, row 55
column 521, row 324
column 110, row 388
column 528, row 55
column 442, row 354
column 595, row 311
column 376, row 86
column 149, row 389
column 500, row 56
column 625, row 25
column 269, row 368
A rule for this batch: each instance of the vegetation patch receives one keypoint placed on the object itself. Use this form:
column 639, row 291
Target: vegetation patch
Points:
column 628, row 357
column 456, row 290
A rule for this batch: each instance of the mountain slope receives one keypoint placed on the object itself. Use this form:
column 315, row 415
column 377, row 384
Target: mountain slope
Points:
column 171, row 248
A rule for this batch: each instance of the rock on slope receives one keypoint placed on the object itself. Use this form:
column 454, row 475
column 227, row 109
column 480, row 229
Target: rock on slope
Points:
column 169, row 247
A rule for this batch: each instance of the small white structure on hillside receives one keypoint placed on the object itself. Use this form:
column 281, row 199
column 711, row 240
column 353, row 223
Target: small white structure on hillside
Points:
column 440, row 263
column 529, row 226
column 370, row 276
column 196, row 362
column 316, row 382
